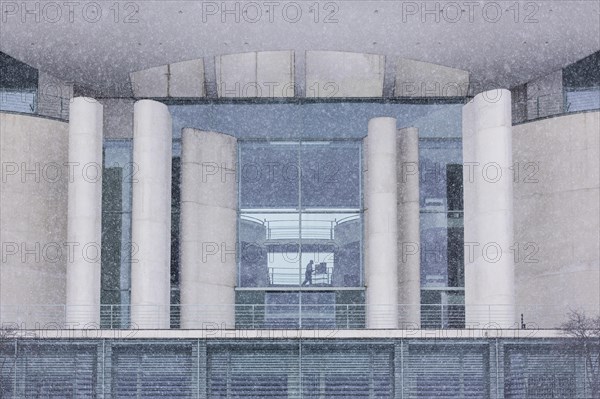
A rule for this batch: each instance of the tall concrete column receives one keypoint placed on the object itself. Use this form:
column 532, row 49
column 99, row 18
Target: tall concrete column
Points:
column 488, row 214
column 409, row 256
column 151, row 215
column 381, row 224
column 84, row 220
column 208, row 229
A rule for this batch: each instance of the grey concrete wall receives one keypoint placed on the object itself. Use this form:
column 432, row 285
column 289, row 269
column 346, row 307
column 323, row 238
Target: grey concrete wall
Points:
column 556, row 217
column 33, row 219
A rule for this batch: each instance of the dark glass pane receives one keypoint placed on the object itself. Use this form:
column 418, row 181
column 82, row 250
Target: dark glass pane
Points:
column 454, row 188
column 581, row 82
column 330, row 175
column 111, row 258
column 112, row 236
column 583, row 73
column 456, row 256
column 269, row 174
column 175, row 217
column 15, row 74
column 112, row 189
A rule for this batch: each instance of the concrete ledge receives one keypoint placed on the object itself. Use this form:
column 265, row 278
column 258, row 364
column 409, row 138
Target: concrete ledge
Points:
column 216, row 333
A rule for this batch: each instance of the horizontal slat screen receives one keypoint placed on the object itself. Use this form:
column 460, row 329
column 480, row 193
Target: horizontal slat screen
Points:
column 56, row 372
column 260, row 373
column 309, row 369
column 353, row 372
column 152, row 372
column 531, row 373
column 453, row 372
column 7, row 368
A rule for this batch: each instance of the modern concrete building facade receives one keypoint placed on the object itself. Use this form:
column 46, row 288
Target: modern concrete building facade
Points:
column 366, row 217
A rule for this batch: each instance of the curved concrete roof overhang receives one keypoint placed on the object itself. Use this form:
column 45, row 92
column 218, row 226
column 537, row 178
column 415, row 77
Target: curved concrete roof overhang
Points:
column 499, row 43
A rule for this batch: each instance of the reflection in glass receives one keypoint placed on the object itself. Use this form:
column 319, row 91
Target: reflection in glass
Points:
column 277, row 248
column 300, row 231
column 442, row 233
column 300, row 310
column 330, row 175
column 441, row 202
column 269, row 175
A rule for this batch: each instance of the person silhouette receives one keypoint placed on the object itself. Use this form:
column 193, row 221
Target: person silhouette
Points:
column 308, row 273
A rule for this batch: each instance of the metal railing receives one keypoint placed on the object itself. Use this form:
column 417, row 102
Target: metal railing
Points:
column 292, row 316
column 286, row 229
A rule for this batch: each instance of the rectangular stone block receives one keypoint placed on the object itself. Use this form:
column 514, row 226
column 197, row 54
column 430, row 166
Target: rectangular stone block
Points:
column 187, row 79
column 149, row 83
column 342, row 74
column 424, row 79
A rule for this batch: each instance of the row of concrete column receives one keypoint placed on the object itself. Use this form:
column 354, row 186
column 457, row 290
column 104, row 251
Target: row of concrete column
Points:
column 209, row 217
column 208, row 227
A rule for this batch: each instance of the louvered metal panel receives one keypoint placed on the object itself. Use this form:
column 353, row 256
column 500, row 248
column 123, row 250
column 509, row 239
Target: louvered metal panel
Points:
column 152, row 372
column 321, row 372
column 353, row 372
column 448, row 372
column 56, row 371
column 542, row 373
column 252, row 373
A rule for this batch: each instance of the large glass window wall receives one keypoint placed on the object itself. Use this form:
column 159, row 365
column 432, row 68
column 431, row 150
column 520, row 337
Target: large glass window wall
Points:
column 300, row 214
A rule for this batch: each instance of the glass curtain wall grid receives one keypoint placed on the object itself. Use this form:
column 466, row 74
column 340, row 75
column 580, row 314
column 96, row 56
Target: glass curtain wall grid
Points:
column 442, row 237
column 313, row 212
column 300, row 230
